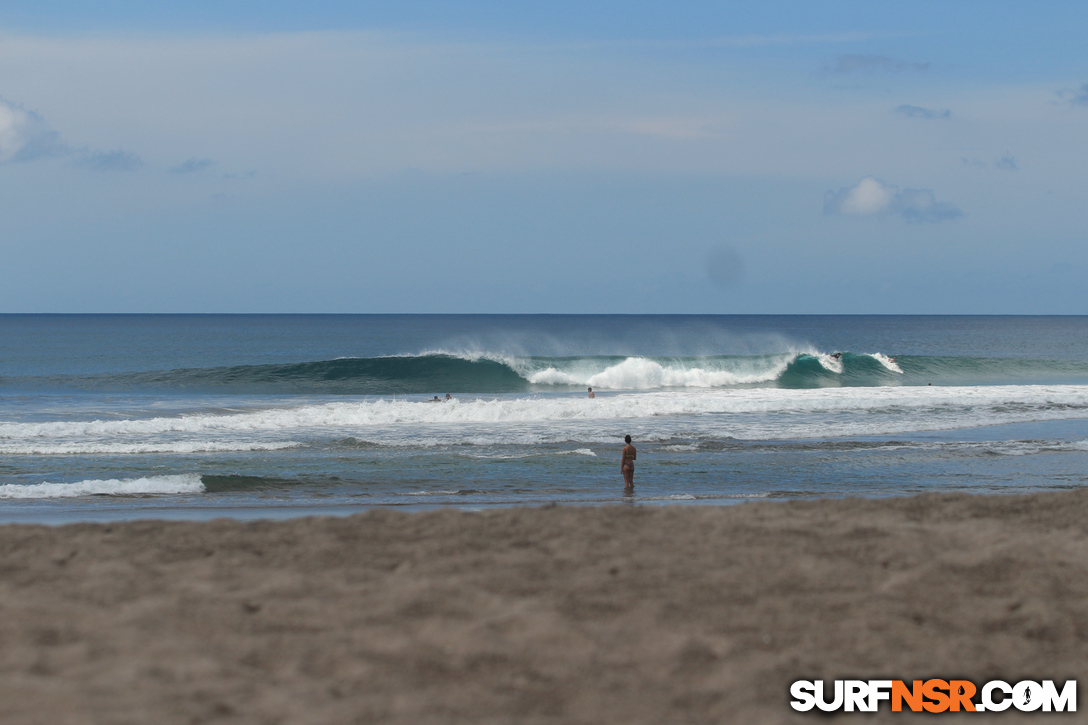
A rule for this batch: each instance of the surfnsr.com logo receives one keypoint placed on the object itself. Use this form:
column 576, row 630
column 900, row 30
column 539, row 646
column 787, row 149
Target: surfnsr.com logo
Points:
column 934, row 696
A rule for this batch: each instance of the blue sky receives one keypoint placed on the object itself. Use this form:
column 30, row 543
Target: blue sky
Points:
column 777, row 157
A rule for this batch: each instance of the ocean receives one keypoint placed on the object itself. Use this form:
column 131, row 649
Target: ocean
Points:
column 109, row 417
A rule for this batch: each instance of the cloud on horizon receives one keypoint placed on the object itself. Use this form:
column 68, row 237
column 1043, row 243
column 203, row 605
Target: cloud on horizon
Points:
column 869, row 63
column 928, row 114
column 872, row 197
column 24, row 135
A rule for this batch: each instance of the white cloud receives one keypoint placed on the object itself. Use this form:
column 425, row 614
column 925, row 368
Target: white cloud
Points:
column 24, row 135
column 871, row 197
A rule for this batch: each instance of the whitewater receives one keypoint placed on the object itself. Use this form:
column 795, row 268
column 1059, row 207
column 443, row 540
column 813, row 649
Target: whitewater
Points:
column 751, row 413
column 253, row 416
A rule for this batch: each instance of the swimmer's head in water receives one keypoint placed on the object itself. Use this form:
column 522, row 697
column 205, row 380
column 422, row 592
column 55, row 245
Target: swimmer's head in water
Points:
column 627, row 439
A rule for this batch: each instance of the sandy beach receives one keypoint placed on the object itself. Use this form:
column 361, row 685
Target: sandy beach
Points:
column 547, row 615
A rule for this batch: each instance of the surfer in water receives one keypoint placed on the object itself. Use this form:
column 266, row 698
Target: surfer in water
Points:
column 627, row 465
column 591, row 393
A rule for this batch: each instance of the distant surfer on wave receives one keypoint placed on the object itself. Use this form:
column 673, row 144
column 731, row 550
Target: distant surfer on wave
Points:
column 627, row 465
column 591, row 393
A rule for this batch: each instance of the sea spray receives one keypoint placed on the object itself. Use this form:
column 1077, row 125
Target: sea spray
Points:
column 479, row 372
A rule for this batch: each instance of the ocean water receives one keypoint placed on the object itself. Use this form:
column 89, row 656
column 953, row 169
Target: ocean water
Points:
column 107, row 417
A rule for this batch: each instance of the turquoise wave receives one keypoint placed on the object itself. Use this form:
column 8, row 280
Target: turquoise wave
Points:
column 439, row 373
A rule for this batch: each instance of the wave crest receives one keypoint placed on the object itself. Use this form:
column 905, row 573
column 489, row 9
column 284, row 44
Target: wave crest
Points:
column 469, row 372
column 185, row 483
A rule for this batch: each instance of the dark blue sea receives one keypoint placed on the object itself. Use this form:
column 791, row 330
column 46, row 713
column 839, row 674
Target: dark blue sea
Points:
column 108, row 417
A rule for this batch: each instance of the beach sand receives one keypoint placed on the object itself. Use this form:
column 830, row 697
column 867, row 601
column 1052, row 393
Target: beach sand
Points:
column 619, row 614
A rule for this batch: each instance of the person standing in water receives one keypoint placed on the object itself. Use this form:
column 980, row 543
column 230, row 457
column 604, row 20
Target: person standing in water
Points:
column 627, row 465
column 591, row 393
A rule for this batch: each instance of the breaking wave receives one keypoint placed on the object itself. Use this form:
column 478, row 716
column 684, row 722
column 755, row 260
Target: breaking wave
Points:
column 482, row 372
column 152, row 485
column 344, row 421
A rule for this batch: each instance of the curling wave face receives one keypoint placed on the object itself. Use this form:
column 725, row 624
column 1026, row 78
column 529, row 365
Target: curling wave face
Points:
column 483, row 372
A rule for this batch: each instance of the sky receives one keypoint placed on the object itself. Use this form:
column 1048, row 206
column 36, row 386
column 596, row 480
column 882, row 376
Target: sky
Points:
column 563, row 157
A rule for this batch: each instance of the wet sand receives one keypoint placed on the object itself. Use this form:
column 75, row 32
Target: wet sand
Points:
column 550, row 615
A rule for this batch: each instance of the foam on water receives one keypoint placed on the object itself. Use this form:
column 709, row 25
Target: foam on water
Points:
column 887, row 362
column 306, row 414
column 118, row 448
column 561, row 420
column 998, row 403
column 637, row 373
column 179, row 484
column 829, row 363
